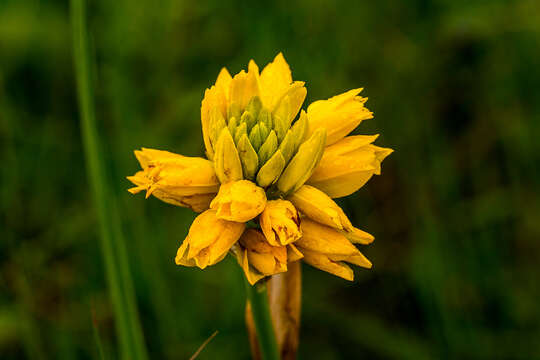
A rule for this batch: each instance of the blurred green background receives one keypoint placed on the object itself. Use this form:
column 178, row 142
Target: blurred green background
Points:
column 455, row 88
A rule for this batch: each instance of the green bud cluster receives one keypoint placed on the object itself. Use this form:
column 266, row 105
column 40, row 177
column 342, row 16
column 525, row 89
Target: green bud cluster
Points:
column 264, row 146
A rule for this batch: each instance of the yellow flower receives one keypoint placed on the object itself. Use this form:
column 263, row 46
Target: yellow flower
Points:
column 258, row 258
column 239, row 201
column 208, row 241
column 319, row 207
column 273, row 165
column 328, row 249
column 280, row 222
column 175, row 179
column 347, row 165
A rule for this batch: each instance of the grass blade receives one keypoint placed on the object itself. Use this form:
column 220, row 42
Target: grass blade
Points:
column 112, row 242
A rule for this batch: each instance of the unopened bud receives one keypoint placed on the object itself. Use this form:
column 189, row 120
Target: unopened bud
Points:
column 217, row 123
column 299, row 130
column 271, row 171
column 249, row 119
column 248, row 157
column 233, row 111
column 265, row 118
column 240, row 130
column 226, row 161
column 287, row 146
column 268, row 148
column 254, row 106
column 303, row 163
column 255, row 137
column 233, row 124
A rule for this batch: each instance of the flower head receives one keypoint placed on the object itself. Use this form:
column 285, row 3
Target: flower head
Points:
column 273, row 165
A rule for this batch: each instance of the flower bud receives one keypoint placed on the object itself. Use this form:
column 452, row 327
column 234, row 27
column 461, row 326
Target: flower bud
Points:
column 175, row 179
column 248, row 119
column 258, row 258
column 232, row 125
column 265, row 117
column 255, row 137
column 299, row 130
column 208, row 241
column 287, row 146
column 217, row 123
column 327, row 249
column 270, row 172
column 319, row 207
column 233, row 111
column 248, row 158
column 280, row 222
column 268, row 148
column 239, row 201
column 254, row 107
column 226, row 160
column 240, row 130
column 291, row 102
column 357, row 236
column 347, row 165
column 303, row 163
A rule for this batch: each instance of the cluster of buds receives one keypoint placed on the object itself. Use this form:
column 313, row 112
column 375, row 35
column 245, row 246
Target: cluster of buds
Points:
column 265, row 146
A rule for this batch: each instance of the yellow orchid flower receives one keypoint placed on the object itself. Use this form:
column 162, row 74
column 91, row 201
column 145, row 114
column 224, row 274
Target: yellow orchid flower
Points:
column 272, row 165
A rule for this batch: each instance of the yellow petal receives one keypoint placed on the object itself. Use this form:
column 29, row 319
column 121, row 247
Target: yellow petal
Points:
column 215, row 97
column 339, row 115
column 318, row 206
column 147, row 156
column 280, row 223
column 293, row 254
column 323, row 239
column 175, row 179
column 322, row 262
column 292, row 99
column 347, row 165
column 208, row 240
column 224, row 82
column 357, row 236
column 275, row 80
column 227, row 164
column 257, row 258
column 358, row 259
column 239, row 201
column 245, row 86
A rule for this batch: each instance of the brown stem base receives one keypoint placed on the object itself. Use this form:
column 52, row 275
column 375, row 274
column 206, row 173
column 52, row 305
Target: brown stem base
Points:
column 285, row 298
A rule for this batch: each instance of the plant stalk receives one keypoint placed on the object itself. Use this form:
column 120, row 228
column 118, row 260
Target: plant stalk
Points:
column 257, row 297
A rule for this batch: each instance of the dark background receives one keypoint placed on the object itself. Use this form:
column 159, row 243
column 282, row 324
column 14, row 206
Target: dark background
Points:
column 455, row 88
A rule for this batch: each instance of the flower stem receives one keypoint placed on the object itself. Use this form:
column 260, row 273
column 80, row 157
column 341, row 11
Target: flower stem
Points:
column 258, row 298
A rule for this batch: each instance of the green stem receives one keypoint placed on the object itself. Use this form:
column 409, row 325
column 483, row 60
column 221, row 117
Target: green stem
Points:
column 119, row 280
column 258, row 298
